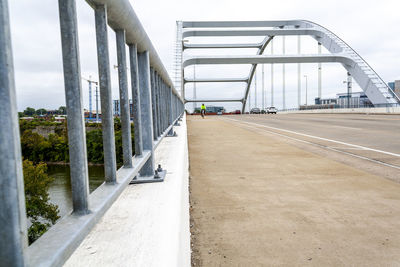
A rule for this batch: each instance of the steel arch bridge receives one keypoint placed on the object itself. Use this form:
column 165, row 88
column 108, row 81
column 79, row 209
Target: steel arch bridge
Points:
column 371, row 83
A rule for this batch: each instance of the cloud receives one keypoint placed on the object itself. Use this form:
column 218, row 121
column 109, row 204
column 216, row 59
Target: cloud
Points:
column 370, row 27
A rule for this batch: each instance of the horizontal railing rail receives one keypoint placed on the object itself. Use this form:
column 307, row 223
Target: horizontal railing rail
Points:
column 337, row 106
column 157, row 107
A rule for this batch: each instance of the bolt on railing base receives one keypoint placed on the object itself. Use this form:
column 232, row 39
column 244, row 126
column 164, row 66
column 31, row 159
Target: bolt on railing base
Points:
column 173, row 134
column 159, row 176
column 177, row 123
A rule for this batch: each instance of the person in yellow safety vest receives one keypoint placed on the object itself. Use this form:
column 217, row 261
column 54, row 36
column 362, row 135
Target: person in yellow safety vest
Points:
column 203, row 110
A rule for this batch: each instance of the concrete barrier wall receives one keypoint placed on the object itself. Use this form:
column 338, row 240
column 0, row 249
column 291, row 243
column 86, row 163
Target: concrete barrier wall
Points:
column 385, row 110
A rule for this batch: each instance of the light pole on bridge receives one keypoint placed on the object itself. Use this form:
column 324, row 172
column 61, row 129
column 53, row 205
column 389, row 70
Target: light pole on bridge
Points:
column 349, row 87
column 305, row 76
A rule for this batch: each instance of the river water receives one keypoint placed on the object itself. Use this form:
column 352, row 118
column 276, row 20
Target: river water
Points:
column 60, row 189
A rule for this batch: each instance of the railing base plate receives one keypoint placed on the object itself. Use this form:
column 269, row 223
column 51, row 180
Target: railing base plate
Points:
column 149, row 179
column 174, row 134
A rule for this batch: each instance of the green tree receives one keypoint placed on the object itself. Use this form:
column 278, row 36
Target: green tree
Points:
column 94, row 144
column 41, row 213
column 35, row 147
column 62, row 110
column 29, row 111
column 41, row 111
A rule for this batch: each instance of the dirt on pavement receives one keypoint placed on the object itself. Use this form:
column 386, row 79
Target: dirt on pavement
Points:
column 258, row 201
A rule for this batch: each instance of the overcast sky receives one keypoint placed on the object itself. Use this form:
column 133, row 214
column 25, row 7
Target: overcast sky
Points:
column 370, row 27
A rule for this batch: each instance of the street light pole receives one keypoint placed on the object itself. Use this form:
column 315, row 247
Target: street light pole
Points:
column 349, row 86
column 305, row 76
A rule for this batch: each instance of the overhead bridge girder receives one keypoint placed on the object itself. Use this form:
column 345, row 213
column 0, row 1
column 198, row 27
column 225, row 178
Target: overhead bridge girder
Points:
column 267, row 59
column 209, row 46
column 222, row 80
column 212, row 100
column 371, row 83
column 238, row 33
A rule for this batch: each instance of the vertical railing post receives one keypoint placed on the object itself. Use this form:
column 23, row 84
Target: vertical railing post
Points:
column 146, row 111
column 153, row 101
column 158, row 108
column 73, row 97
column 165, row 106
column 160, row 96
column 136, row 100
column 124, row 99
column 172, row 104
column 107, row 120
column 170, row 111
column 169, row 104
column 13, row 234
column 162, row 105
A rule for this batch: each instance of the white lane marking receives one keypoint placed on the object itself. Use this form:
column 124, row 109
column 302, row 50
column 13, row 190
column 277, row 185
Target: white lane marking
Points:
column 344, row 127
column 319, row 138
column 329, row 148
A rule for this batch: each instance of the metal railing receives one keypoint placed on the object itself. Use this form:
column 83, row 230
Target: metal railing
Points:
column 336, row 106
column 157, row 107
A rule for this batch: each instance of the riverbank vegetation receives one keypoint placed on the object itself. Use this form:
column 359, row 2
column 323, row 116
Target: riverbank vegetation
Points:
column 46, row 141
column 40, row 212
column 53, row 147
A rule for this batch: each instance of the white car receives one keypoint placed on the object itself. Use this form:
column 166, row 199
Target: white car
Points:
column 272, row 110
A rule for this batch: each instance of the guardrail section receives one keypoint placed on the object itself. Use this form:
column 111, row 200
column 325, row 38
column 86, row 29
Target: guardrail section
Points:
column 157, row 107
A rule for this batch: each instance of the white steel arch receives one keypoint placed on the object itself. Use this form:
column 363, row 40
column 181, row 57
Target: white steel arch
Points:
column 372, row 84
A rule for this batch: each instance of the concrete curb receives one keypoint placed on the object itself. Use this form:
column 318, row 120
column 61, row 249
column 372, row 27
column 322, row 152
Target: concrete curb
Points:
column 148, row 225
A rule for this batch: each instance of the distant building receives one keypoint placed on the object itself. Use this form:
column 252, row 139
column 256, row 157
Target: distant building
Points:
column 210, row 109
column 52, row 112
column 60, row 118
column 343, row 100
column 357, row 100
column 214, row 109
column 117, row 108
column 391, row 85
column 395, row 86
column 325, row 101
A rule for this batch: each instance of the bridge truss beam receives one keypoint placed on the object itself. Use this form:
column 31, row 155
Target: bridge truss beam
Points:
column 373, row 85
column 222, row 80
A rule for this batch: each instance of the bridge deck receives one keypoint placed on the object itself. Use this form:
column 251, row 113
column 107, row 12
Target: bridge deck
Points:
column 257, row 199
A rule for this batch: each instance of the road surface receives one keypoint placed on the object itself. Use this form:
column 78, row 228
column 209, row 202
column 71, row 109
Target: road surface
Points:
column 373, row 138
column 323, row 194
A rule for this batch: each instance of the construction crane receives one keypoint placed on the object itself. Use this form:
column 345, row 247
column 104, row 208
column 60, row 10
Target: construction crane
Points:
column 90, row 82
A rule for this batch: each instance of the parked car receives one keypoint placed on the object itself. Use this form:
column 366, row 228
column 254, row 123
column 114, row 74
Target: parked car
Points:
column 272, row 110
column 255, row 111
